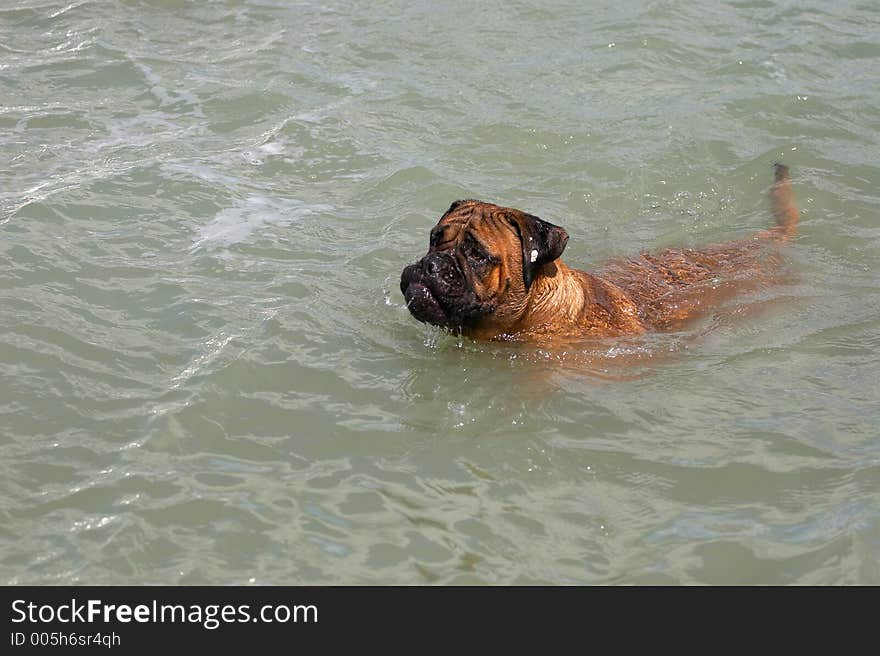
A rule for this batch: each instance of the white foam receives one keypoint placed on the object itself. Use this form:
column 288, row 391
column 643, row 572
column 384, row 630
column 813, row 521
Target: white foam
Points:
column 273, row 147
column 236, row 224
column 166, row 97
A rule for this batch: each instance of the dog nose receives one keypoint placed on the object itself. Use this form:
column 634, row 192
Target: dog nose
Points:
column 433, row 264
column 440, row 267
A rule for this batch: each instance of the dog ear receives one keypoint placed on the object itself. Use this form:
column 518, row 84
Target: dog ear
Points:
column 542, row 242
column 456, row 203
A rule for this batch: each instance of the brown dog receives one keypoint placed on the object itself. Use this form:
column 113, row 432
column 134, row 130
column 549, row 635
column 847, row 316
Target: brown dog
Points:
column 494, row 272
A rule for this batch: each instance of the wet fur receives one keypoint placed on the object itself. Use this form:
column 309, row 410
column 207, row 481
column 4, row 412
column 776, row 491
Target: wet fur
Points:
column 529, row 293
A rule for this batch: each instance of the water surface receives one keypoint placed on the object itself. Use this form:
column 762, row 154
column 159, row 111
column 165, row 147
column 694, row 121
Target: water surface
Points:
column 207, row 375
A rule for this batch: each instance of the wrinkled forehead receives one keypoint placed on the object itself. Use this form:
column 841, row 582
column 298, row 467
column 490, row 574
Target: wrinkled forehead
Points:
column 471, row 215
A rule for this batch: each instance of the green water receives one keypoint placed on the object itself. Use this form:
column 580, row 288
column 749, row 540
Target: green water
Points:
column 208, row 376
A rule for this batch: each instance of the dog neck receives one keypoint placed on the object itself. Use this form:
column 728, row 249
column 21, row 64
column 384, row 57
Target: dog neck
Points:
column 578, row 301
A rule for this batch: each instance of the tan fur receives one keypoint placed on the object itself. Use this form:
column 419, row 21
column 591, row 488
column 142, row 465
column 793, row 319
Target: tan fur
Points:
column 625, row 297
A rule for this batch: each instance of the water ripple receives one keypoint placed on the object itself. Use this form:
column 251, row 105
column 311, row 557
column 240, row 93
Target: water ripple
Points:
column 209, row 375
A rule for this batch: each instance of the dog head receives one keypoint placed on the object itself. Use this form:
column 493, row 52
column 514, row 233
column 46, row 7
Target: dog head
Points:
column 481, row 265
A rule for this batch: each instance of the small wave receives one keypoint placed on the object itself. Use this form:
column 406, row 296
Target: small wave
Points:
column 236, row 224
column 166, row 97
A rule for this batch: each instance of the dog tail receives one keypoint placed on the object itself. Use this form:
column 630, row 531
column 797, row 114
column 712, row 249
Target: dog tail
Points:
column 782, row 203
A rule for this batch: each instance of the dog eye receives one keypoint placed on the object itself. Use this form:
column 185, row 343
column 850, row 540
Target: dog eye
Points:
column 477, row 255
